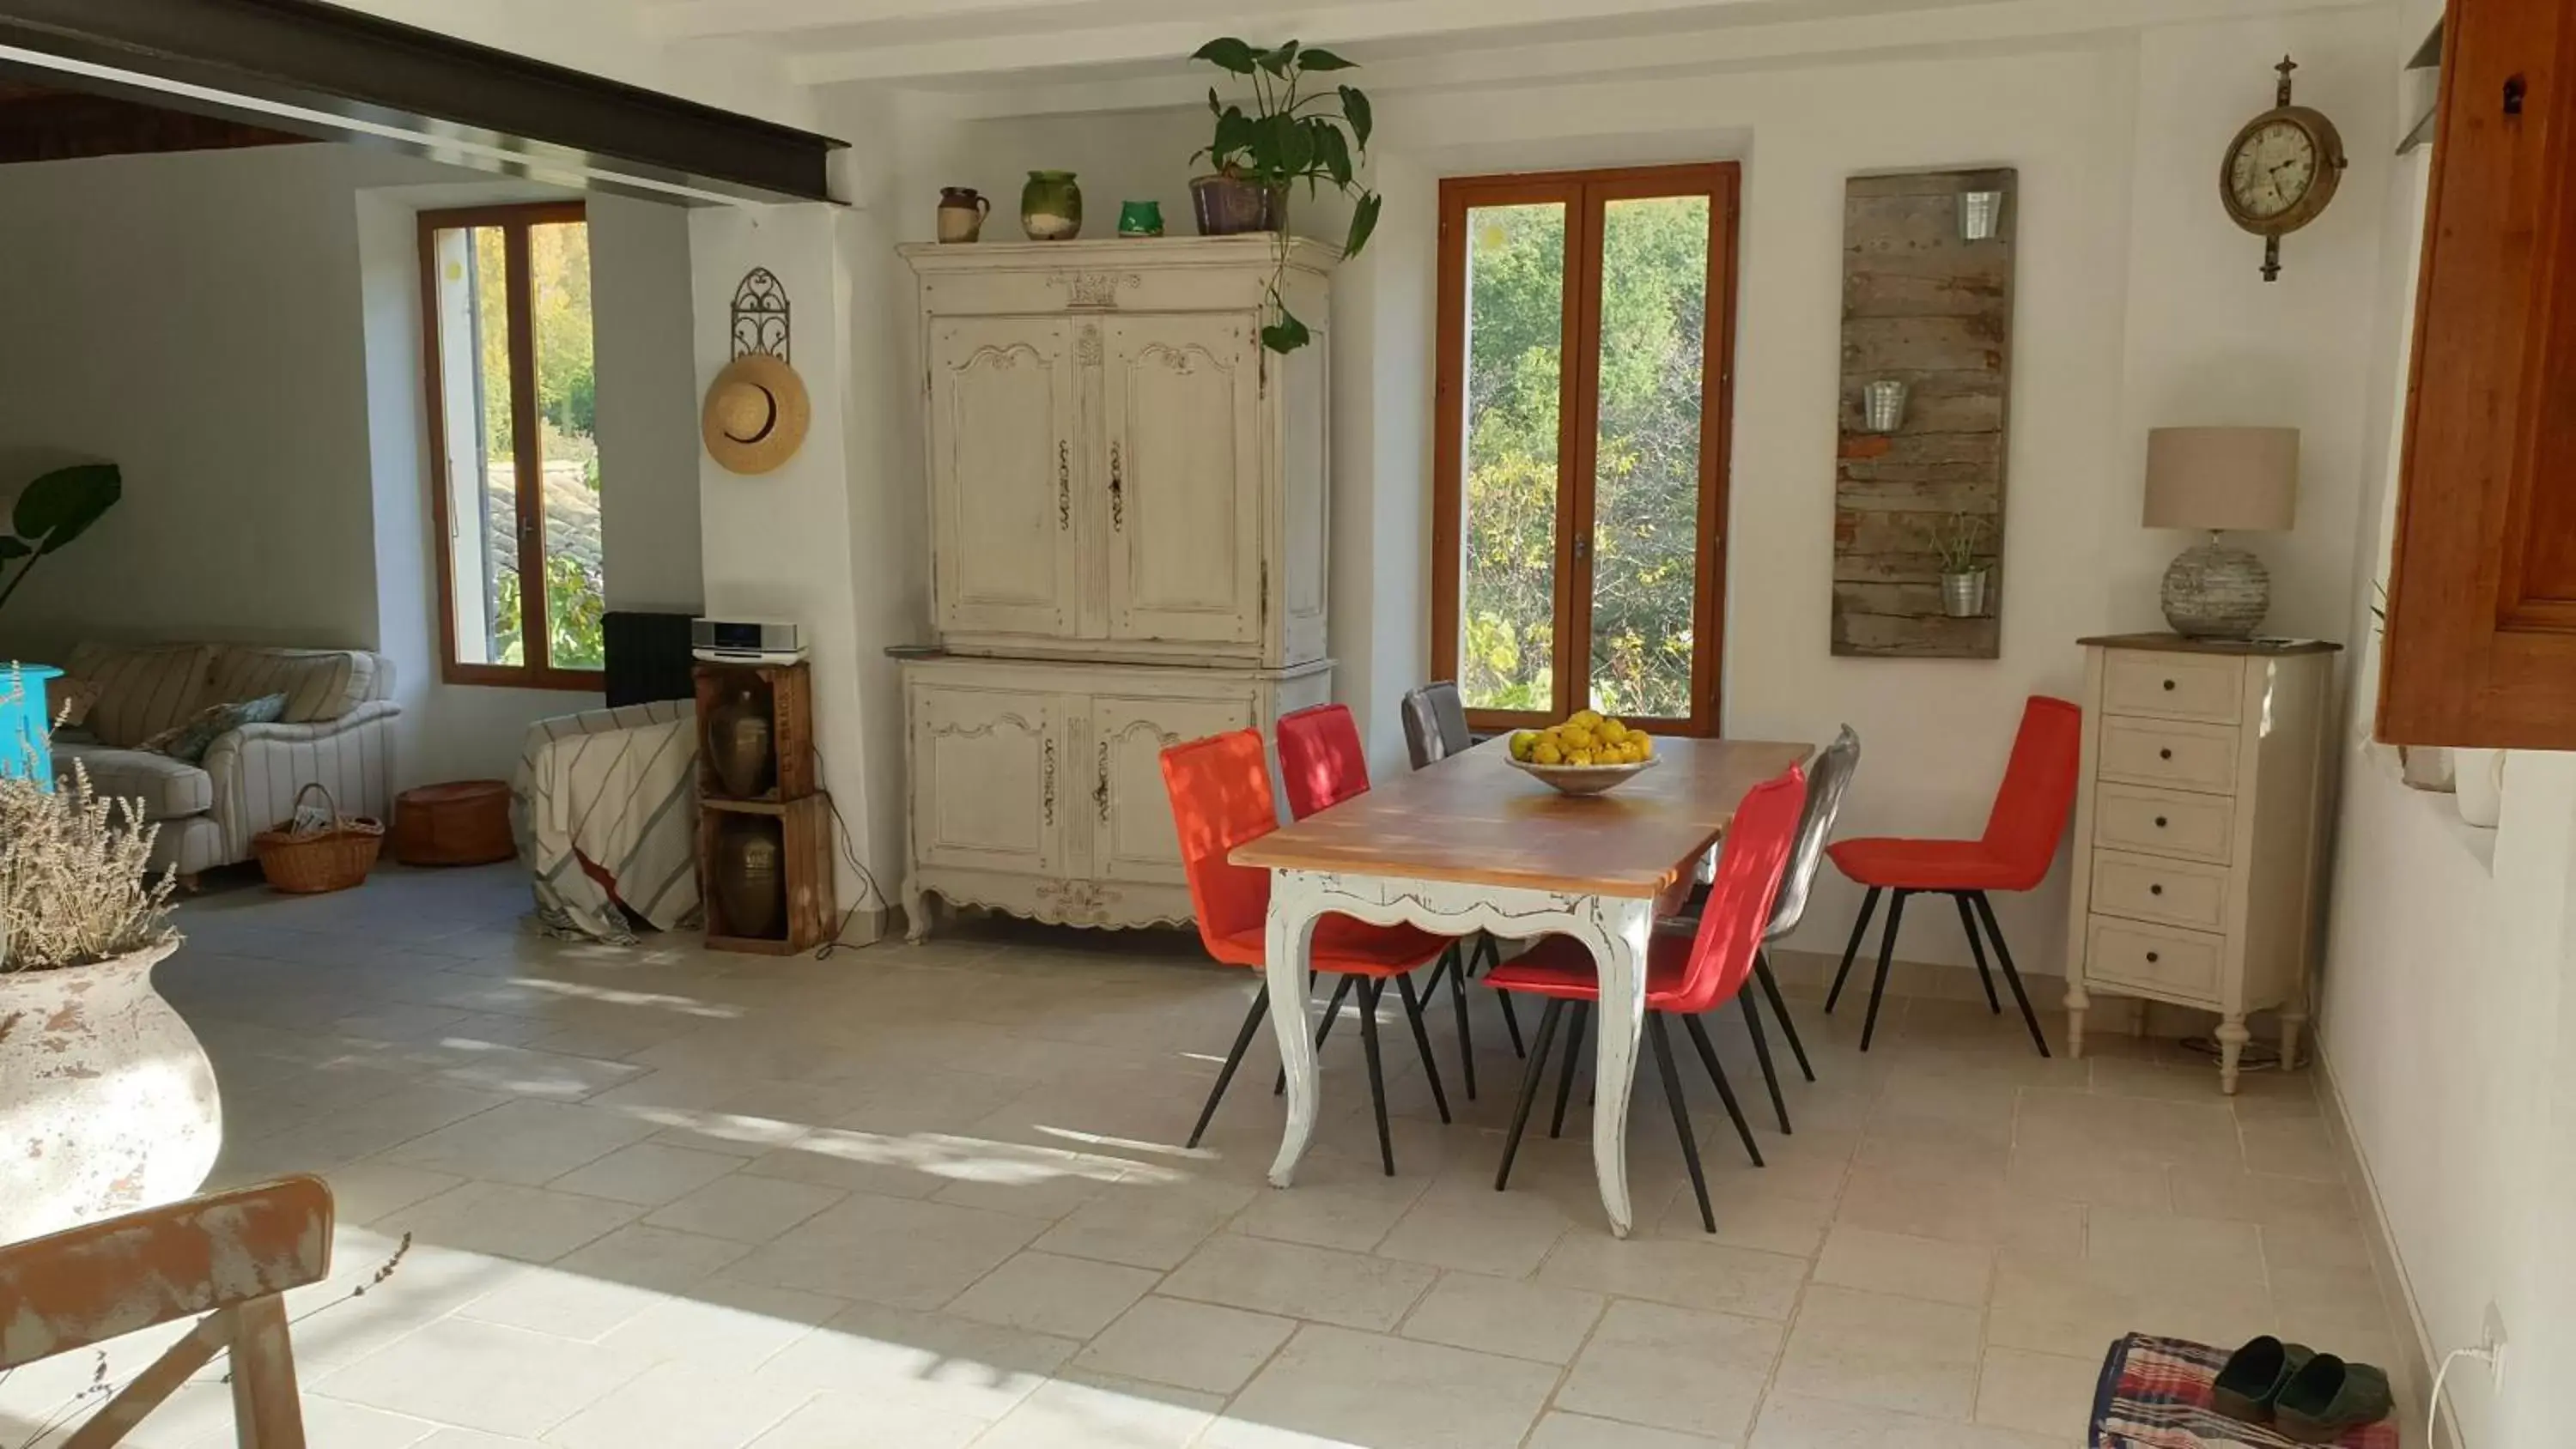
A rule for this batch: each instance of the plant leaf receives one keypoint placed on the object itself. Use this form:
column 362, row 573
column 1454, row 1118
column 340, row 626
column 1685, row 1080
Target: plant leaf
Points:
column 13, row 547
column 1277, row 61
column 1233, row 137
column 1355, row 108
column 1331, row 149
column 1227, row 53
column 1214, row 108
column 60, row 506
column 1363, row 221
column 1292, row 150
column 1315, row 57
column 1287, row 334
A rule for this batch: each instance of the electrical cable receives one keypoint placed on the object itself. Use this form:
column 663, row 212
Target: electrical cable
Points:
column 850, row 853
column 2433, row 1410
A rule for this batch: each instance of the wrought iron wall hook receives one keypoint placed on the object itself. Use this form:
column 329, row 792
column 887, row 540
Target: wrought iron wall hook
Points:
column 760, row 316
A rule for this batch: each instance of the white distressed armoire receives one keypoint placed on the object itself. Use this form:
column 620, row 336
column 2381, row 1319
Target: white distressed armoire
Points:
column 1127, row 530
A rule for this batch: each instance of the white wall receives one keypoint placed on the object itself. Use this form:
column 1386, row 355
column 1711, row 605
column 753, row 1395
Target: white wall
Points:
column 239, row 331
column 2138, row 305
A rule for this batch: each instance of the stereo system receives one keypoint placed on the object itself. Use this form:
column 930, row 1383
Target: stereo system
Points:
column 746, row 641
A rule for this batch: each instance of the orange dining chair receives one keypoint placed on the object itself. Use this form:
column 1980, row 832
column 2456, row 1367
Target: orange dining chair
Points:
column 1220, row 789
column 2022, row 832
column 1322, row 763
column 1685, row 975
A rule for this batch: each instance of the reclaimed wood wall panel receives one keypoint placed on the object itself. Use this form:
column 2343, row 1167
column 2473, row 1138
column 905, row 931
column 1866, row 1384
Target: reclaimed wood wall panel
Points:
column 1923, row 306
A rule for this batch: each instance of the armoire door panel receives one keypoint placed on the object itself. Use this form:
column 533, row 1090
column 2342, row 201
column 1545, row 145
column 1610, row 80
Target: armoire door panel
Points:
column 1132, row 834
column 991, row 784
column 1183, row 473
column 1005, row 448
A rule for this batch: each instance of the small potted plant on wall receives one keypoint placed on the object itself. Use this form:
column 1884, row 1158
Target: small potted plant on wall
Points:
column 1960, row 543
column 1289, row 135
column 107, row 1100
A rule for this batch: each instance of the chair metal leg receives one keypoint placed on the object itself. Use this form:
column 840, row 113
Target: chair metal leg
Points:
column 1886, row 958
column 1977, row 949
column 1439, row 968
column 1663, row 1039
column 1370, row 991
column 1511, row 1023
column 1458, row 1006
column 1762, row 1054
column 1242, row 1039
column 1332, row 1009
column 2012, row 978
column 1485, row 950
column 1780, row 1010
column 1573, row 1058
column 1725, row 1088
column 1851, row 948
column 1530, row 1075
column 1422, row 1043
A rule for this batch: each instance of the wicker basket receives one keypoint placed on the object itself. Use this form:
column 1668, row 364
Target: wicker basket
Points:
column 332, row 858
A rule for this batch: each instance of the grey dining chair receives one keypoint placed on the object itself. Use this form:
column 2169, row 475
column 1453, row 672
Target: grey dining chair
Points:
column 1826, row 784
column 1435, row 727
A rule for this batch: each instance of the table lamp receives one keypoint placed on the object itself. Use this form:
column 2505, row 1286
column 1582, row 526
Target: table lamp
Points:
column 2220, row 479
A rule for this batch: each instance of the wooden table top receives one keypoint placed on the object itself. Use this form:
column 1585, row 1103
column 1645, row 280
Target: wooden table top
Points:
column 1473, row 818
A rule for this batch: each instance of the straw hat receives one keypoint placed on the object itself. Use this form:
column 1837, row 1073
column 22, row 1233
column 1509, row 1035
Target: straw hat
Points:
column 755, row 415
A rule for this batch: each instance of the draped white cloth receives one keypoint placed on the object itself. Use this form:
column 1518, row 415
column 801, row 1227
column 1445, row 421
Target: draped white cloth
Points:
column 616, row 788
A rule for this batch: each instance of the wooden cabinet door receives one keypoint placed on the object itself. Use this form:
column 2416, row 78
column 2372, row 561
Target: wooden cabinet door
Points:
column 1184, row 489
column 2481, row 646
column 1005, row 445
column 992, row 784
column 1132, row 835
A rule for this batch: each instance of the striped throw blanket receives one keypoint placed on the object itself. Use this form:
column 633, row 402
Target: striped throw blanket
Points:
column 2154, row 1394
column 608, row 819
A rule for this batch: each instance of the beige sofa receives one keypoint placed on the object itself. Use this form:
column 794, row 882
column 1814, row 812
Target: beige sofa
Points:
column 338, row 729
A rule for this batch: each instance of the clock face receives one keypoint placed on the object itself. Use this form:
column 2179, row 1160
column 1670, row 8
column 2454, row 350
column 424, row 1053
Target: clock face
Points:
column 2272, row 170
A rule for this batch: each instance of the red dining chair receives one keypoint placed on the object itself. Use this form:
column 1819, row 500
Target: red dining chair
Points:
column 1323, row 763
column 2014, row 854
column 1685, row 975
column 1220, row 789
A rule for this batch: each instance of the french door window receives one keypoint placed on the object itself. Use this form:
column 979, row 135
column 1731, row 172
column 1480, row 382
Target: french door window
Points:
column 1586, row 323
column 514, row 450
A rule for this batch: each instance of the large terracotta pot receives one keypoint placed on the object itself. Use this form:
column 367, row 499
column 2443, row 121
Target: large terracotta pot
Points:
column 107, row 1101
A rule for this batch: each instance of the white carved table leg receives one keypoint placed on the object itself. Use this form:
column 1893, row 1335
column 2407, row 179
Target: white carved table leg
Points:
column 2232, row 1037
column 1617, row 932
column 1291, row 927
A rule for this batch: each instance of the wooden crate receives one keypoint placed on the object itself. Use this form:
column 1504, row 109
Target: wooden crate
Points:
column 805, row 830
column 788, row 690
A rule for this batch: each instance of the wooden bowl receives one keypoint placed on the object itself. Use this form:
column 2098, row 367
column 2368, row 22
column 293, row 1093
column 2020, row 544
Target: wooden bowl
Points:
column 1585, row 779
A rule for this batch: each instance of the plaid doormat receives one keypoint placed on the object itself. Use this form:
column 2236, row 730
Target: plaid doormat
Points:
column 2154, row 1394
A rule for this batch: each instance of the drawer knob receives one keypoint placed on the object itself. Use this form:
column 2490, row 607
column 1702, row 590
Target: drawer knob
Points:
column 2155, row 890
column 2160, row 822
column 2151, row 958
column 2169, row 684
column 2164, row 754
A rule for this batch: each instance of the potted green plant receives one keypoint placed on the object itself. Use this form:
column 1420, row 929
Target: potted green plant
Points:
column 1960, row 544
column 1288, row 136
column 107, row 1100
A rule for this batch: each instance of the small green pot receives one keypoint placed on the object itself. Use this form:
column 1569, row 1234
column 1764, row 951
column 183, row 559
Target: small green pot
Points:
column 1051, row 206
column 1140, row 218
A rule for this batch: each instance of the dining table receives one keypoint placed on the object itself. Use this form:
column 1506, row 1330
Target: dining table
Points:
column 1473, row 843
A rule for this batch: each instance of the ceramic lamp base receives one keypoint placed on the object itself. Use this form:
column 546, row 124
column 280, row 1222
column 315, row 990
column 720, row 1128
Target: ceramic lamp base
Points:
column 2215, row 592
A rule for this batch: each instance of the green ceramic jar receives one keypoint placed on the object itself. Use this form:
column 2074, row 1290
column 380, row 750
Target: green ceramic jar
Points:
column 1051, row 206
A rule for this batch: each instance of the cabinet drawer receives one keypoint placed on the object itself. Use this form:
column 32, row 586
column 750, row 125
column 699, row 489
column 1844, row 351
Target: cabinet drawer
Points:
column 2173, row 686
column 2176, row 963
column 2164, row 822
column 2145, row 888
column 2170, row 753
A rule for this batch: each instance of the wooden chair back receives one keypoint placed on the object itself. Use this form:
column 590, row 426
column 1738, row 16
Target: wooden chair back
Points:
column 230, row 1256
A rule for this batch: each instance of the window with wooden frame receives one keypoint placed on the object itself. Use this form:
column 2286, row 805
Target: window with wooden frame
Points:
column 514, row 451
column 1585, row 351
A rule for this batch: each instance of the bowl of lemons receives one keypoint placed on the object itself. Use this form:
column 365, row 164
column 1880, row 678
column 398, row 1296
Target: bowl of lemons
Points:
column 1587, row 754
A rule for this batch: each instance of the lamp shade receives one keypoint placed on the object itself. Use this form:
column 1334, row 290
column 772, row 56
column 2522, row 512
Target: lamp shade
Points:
column 2222, row 478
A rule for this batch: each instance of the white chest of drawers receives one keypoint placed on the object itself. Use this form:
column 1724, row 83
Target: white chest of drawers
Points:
column 2199, row 828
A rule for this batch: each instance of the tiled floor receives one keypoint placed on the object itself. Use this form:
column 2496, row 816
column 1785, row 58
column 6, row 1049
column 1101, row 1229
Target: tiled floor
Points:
column 927, row 1197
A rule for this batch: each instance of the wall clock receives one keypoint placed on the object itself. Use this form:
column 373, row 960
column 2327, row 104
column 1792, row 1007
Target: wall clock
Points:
column 2280, row 171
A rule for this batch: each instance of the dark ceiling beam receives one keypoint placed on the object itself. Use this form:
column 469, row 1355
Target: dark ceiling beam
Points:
column 361, row 67
column 48, row 124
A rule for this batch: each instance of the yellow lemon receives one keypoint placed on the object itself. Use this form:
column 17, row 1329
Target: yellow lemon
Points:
column 1523, row 741
column 1611, row 730
column 1645, row 744
column 1577, row 737
column 1584, row 717
column 1546, row 753
column 1579, row 757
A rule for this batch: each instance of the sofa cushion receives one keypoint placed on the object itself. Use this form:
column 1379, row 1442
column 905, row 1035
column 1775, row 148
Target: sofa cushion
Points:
column 319, row 684
column 142, row 689
column 168, row 788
